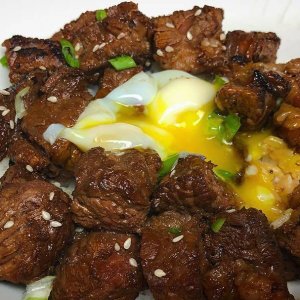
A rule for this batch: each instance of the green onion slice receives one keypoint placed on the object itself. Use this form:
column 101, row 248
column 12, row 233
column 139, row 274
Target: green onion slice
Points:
column 69, row 53
column 223, row 174
column 101, row 14
column 39, row 290
column 168, row 164
column 217, row 225
column 3, row 61
column 175, row 230
column 219, row 82
column 122, row 62
column 231, row 125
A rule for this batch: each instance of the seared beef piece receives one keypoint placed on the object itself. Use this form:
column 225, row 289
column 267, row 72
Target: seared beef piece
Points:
column 243, row 47
column 98, row 267
column 189, row 40
column 69, row 88
column 125, row 31
column 294, row 198
column 287, row 121
column 31, row 245
column 242, row 260
column 25, row 55
column 112, row 79
column 178, row 260
column 113, row 189
column 192, row 186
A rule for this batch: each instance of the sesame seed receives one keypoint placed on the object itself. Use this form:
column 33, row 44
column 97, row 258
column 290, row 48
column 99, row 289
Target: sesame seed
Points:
column 102, row 45
column 121, row 35
column 251, row 170
column 170, row 25
column 5, row 112
column 189, row 36
column 117, row 247
column 2, row 107
column 230, row 210
column 11, row 124
column 159, row 273
column 169, row 49
column 248, row 158
column 198, row 12
column 76, row 56
column 4, row 92
column 214, row 43
column 17, row 48
column 46, row 216
column 29, row 168
column 79, row 229
column 159, row 52
column 177, row 239
column 148, row 63
column 42, row 68
column 77, row 47
column 222, row 36
column 8, row 224
column 127, row 244
column 205, row 42
column 133, row 262
column 52, row 99
column 51, row 196
column 55, row 224
column 224, row 48
column 96, row 47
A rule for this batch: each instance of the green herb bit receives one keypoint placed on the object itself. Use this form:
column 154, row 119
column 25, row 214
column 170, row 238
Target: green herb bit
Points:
column 217, row 225
column 69, row 53
column 231, row 126
column 175, row 230
column 101, row 14
column 3, row 61
column 223, row 174
column 122, row 62
column 219, row 82
column 168, row 164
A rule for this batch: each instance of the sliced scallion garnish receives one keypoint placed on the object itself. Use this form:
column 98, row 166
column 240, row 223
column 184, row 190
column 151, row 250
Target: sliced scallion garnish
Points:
column 101, row 14
column 223, row 174
column 122, row 62
column 39, row 290
column 3, row 61
column 219, row 82
column 217, row 225
column 231, row 126
column 69, row 53
column 168, row 164
column 175, row 230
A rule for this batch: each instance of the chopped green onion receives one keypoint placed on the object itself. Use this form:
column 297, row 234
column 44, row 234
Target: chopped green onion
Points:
column 3, row 61
column 223, row 174
column 122, row 62
column 168, row 164
column 219, row 82
column 69, row 53
column 217, row 225
column 231, row 126
column 101, row 14
column 175, row 230
column 39, row 290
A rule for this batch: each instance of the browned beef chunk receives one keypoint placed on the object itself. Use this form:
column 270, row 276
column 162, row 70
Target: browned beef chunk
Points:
column 113, row 190
column 34, row 229
column 242, row 259
column 125, row 31
column 112, row 79
column 189, row 40
column 100, row 266
column 25, row 55
column 170, row 256
column 192, row 186
column 243, row 47
column 68, row 89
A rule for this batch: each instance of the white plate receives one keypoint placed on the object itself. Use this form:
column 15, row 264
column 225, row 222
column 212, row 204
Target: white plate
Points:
column 36, row 18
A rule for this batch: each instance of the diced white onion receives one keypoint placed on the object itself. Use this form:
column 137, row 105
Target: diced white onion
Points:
column 19, row 104
column 52, row 133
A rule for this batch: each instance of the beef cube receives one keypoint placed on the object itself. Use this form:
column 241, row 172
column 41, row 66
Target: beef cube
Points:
column 113, row 189
column 170, row 256
column 100, row 265
column 193, row 187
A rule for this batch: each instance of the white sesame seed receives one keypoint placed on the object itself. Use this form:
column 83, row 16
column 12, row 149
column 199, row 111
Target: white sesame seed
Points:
column 205, row 42
column 248, row 158
column 133, row 262
column 169, row 49
column 96, row 47
column 127, row 244
column 55, row 224
column 51, row 196
column 5, row 112
column 189, row 36
column 4, row 92
column 222, row 36
column 8, row 224
column 159, row 52
column 170, row 25
column 52, row 99
column 177, row 239
column 251, row 170
column 76, row 56
column 224, row 48
column 102, row 45
column 159, row 273
column 11, row 124
column 121, row 35
column 46, row 216
column 29, row 168
column 17, row 48
column 198, row 12
column 2, row 107
column 79, row 229
column 230, row 210
column 117, row 247
column 42, row 68
column 148, row 63
column 77, row 47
